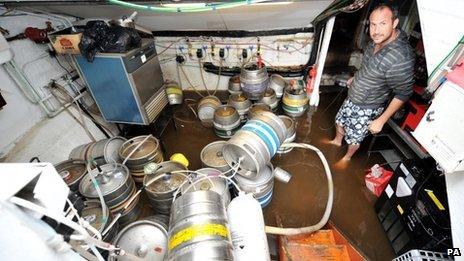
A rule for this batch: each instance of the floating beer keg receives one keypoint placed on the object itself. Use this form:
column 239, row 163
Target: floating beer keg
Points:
column 291, row 133
column 211, row 156
column 72, row 171
column 146, row 239
column 294, row 102
column 102, row 152
column 255, row 143
column 261, row 186
column 80, row 152
column 148, row 151
column 278, row 84
column 241, row 104
column 106, row 151
column 206, row 108
column 270, row 99
column 254, row 80
column 257, row 108
column 117, row 187
column 214, row 183
column 174, row 92
column 226, row 121
column 161, row 192
column 234, row 85
column 202, row 216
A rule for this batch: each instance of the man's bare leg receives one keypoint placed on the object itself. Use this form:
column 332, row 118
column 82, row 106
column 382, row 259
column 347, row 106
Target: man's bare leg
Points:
column 343, row 162
column 337, row 141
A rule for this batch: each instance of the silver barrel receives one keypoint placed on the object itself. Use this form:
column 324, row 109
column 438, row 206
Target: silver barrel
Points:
column 161, row 192
column 106, row 151
column 257, row 108
column 93, row 214
column 261, row 186
column 80, row 152
column 149, row 151
column 234, row 85
column 117, row 188
column 290, row 125
column 270, row 99
column 226, row 121
column 278, row 84
column 201, row 216
column 254, row 80
column 174, row 92
column 206, row 108
column 241, row 104
column 255, row 143
column 146, row 239
column 114, row 181
column 72, row 171
column 295, row 102
column 211, row 156
column 213, row 182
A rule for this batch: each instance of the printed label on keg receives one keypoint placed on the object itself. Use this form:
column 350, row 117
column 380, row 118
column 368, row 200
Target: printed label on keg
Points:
column 192, row 232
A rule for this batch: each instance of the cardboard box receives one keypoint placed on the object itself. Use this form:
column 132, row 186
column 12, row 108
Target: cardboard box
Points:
column 66, row 41
column 378, row 185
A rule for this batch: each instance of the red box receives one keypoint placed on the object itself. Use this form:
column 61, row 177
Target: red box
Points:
column 377, row 185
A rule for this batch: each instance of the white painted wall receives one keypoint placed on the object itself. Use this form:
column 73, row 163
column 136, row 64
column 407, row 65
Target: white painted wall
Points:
column 442, row 27
column 25, row 130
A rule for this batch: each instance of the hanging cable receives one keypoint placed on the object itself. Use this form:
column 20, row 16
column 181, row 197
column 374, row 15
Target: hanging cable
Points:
column 219, row 77
column 200, row 66
column 188, row 80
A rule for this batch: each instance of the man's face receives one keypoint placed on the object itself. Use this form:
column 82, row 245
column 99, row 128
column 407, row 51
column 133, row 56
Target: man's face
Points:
column 382, row 25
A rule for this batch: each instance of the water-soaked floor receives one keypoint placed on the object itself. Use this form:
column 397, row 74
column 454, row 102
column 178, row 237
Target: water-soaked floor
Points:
column 302, row 201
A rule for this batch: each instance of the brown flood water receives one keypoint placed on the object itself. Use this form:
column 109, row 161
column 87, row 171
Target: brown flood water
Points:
column 302, row 201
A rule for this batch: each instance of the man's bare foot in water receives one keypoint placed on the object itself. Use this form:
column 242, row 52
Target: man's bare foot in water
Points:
column 342, row 163
column 332, row 142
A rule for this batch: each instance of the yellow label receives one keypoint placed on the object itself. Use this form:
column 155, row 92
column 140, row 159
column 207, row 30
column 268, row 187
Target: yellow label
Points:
column 192, row 232
column 294, row 103
column 172, row 90
column 400, row 209
column 435, row 199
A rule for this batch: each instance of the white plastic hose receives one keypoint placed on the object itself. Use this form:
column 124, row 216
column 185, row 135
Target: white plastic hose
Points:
column 105, row 214
column 136, row 148
column 328, row 208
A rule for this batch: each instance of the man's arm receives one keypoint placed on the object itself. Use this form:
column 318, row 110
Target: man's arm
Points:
column 377, row 124
column 400, row 78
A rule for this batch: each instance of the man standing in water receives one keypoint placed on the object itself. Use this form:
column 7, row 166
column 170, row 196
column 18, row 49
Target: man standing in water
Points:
column 387, row 70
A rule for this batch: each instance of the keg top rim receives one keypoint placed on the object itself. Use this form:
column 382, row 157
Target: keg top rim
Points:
column 76, row 169
column 225, row 111
column 112, row 177
column 164, row 168
column 144, row 233
column 145, row 150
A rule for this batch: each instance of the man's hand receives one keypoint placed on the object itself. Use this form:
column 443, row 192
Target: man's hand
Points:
column 376, row 126
column 348, row 82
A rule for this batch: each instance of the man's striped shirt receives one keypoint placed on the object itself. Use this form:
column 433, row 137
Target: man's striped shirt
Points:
column 389, row 71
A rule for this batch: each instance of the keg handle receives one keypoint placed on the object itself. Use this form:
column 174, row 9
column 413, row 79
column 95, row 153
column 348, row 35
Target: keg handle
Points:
column 103, row 177
column 142, row 250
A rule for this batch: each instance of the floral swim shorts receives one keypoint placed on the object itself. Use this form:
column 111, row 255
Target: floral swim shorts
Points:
column 355, row 120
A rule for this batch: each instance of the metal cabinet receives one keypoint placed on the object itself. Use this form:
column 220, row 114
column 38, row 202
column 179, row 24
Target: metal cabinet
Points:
column 441, row 130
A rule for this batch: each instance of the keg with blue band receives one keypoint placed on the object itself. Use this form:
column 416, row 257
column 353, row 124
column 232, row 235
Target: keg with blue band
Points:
column 266, row 199
column 265, row 133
